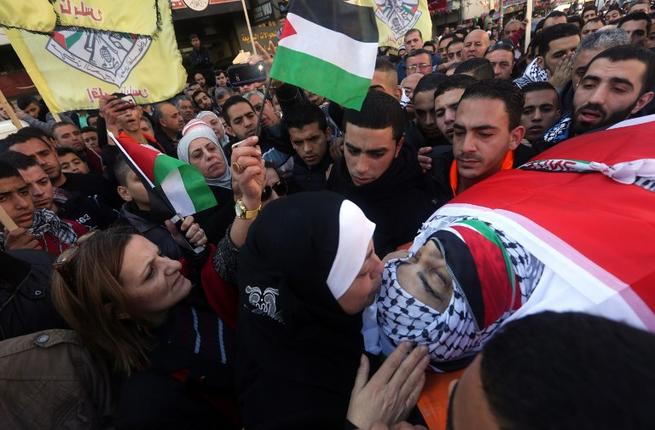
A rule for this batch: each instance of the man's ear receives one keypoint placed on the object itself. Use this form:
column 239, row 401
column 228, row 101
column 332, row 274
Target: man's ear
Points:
column 399, row 146
column 124, row 193
column 399, row 92
column 515, row 137
column 642, row 101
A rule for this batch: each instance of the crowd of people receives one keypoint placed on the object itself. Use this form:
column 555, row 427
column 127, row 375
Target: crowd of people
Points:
column 320, row 290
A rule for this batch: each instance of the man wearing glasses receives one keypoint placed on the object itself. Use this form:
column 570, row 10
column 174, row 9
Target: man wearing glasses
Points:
column 419, row 61
column 501, row 57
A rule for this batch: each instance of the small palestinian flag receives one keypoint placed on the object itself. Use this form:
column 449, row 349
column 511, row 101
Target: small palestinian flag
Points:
column 328, row 47
column 178, row 183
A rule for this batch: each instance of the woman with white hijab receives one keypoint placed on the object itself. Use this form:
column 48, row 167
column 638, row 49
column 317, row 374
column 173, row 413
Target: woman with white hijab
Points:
column 200, row 147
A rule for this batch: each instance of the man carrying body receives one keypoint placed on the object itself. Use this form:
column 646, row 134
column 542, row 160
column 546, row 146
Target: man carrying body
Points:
column 637, row 25
column 486, row 131
column 618, row 83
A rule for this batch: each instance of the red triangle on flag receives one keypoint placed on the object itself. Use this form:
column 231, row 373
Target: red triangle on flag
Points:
column 288, row 30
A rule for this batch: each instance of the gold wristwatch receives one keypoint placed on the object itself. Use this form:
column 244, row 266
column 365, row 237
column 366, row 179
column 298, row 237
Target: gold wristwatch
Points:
column 242, row 211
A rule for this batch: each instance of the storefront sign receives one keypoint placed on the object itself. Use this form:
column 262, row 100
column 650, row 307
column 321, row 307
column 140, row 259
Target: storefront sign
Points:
column 197, row 4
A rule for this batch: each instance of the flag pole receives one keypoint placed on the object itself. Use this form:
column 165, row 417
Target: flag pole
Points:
column 6, row 220
column 252, row 40
column 500, row 21
column 528, row 26
column 12, row 114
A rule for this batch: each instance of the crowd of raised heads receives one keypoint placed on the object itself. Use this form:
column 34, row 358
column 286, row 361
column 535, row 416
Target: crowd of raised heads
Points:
column 325, row 289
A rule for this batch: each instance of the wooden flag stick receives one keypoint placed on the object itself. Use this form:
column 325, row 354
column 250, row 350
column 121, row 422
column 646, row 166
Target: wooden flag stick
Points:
column 6, row 220
column 10, row 111
column 252, row 40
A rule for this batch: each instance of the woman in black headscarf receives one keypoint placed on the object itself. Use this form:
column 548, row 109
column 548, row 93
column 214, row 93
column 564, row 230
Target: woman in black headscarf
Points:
column 307, row 271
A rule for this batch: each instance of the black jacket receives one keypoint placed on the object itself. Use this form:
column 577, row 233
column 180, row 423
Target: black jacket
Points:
column 93, row 186
column 398, row 202
column 305, row 178
column 151, row 229
column 25, row 303
column 215, row 221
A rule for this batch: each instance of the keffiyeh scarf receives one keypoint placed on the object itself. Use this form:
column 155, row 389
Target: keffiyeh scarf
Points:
column 45, row 221
column 482, row 298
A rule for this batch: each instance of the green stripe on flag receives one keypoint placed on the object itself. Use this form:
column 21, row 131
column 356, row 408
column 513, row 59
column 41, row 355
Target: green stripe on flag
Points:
column 197, row 187
column 191, row 181
column 320, row 77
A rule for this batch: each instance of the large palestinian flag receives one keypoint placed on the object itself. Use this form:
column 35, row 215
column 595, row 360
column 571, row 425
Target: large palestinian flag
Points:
column 586, row 209
column 180, row 184
column 328, row 47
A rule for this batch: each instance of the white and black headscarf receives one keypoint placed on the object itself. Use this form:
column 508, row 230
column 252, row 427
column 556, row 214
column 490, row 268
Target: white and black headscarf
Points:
column 298, row 350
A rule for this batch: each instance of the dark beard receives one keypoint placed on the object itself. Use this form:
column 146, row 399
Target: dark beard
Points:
column 611, row 120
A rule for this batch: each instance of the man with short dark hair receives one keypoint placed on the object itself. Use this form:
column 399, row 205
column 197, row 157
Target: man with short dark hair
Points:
column 455, row 50
column 71, row 162
column 269, row 117
column 419, row 61
column 30, row 142
column 36, row 228
column 385, row 78
column 242, row 122
column 423, row 131
column 556, row 47
column 185, row 106
column 380, row 174
column 501, row 58
column 443, row 45
column 309, row 135
column 486, row 131
column 413, row 40
column 446, row 100
column 637, row 25
column 618, row 83
column 202, row 100
column 592, row 26
column 589, row 12
column 476, row 44
column 87, row 212
column 540, row 109
column 90, row 138
column 493, row 394
column 199, row 59
column 30, row 105
column 68, row 135
column 613, row 14
column 478, row 68
column 641, row 6
column 168, row 124
column 554, row 18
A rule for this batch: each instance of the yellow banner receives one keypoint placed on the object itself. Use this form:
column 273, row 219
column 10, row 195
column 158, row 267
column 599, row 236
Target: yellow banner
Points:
column 71, row 68
column 33, row 15
column 395, row 18
column 136, row 17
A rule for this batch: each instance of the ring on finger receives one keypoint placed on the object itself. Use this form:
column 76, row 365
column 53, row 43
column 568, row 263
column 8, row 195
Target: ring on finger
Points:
column 237, row 167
